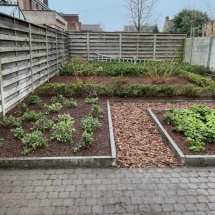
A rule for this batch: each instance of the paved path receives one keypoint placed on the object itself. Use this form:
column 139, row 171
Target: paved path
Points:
column 189, row 191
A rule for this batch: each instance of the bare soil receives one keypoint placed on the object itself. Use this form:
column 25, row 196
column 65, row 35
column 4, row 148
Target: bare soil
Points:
column 180, row 139
column 110, row 80
column 13, row 147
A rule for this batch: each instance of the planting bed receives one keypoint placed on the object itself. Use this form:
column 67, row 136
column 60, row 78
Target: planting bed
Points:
column 13, row 147
column 111, row 80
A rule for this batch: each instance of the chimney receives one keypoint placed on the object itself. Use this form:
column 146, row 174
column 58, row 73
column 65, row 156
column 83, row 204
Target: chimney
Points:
column 46, row 2
column 167, row 18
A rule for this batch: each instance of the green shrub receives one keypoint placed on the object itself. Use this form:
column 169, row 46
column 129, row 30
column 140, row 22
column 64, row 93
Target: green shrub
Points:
column 90, row 124
column 34, row 99
column 125, row 91
column 11, row 121
column 147, row 90
column 58, row 99
column 92, row 100
column 33, row 141
column 63, row 131
column 96, row 111
column 70, row 103
column 32, row 116
column 43, row 124
column 191, row 91
column 18, row 132
column 23, row 109
column 168, row 90
column 54, row 108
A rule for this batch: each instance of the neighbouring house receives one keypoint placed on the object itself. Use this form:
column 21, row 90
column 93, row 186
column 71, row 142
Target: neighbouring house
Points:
column 11, row 10
column 73, row 23
column 31, row 4
column 168, row 24
column 46, row 17
column 132, row 28
column 91, row 28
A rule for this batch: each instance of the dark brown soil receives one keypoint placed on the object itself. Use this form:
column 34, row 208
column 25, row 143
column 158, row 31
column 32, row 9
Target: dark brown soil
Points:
column 13, row 147
column 110, row 80
column 180, row 139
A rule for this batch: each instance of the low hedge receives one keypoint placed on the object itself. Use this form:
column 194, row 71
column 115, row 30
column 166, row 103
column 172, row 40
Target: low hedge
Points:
column 80, row 89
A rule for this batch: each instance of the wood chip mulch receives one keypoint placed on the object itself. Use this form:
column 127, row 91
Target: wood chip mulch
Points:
column 138, row 141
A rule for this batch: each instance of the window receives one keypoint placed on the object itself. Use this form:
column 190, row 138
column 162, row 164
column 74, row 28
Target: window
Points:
column 30, row 4
column 37, row 6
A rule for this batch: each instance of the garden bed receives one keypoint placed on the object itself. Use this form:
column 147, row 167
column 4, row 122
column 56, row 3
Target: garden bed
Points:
column 100, row 147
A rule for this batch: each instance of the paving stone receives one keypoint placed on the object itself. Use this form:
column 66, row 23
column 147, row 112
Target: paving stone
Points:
column 64, row 195
column 42, row 195
column 45, row 202
column 39, row 189
column 61, row 211
column 57, row 202
column 49, row 210
column 12, row 211
column 91, row 201
column 85, row 210
column 73, row 210
column 53, row 195
column 68, row 202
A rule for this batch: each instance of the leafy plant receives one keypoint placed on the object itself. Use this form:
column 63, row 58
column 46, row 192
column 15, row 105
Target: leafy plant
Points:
column 63, row 131
column 34, row 100
column 54, row 108
column 33, row 141
column 86, row 141
column 96, row 111
column 32, row 116
column 70, row 103
column 11, row 121
column 191, row 91
column 147, row 90
column 92, row 100
column 197, row 123
column 23, row 109
column 168, row 90
column 18, row 132
column 90, row 124
column 43, row 124
column 58, row 99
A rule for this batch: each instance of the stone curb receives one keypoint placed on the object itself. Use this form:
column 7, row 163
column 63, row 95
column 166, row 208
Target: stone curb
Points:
column 190, row 160
column 66, row 162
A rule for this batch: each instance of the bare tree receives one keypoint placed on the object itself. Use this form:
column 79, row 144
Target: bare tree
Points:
column 210, row 12
column 141, row 13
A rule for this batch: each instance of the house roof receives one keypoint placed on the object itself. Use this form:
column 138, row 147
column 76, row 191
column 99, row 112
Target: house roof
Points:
column 91, row 27
column 168, row 24
column 132, row 28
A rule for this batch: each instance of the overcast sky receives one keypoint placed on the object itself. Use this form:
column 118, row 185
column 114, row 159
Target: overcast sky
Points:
column 112, row 15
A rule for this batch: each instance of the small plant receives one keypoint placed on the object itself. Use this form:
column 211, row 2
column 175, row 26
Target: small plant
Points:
column 23, row 109
column 11, row 121
column 92, row 100
column 63, row 131
column 90, row 124
column 70, row 103
column 86, row 141
column 63, row 118
column 58, row 99
column 96, row 111
column 43, row 124
column 120, row 81
column 1, row 142
column 34, row 100
column 32, row 116
column 33, row 141
column 18, row 133
column 54, row 108
column 168, row 90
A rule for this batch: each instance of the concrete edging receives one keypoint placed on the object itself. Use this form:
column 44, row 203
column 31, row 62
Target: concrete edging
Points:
column 190, row 160
column 66, row 162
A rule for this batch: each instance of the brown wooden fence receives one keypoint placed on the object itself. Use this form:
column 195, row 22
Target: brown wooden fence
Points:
column 29, row 56
column 125, row 45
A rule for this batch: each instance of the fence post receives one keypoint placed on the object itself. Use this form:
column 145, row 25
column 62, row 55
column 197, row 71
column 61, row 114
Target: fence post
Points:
column 2, row 90
column 88, row 46
column 30, row 47
column 191, row 54
column 210, row 49
column 47, row 54
column 154, row 46
column 120, row 45
column 56, row 51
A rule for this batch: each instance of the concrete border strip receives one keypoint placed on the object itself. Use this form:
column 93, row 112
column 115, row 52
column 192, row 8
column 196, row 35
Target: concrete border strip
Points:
column 112, row 142
column 171, row 142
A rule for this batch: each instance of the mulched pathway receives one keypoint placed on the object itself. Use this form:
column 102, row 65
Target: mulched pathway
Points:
column 13, row 147
column 138, row 141
column 110, row 80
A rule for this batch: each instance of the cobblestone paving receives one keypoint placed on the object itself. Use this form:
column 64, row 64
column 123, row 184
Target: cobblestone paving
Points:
column 178, row 191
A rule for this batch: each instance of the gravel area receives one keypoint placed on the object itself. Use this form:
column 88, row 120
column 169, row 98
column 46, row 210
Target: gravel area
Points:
column 139, row 143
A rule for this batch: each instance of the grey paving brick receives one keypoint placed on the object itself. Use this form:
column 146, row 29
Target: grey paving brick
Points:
column 46, row 182
column 91, row 201
column 53, row 195
column 42, row 195
column 80, row 201
column 49, row 188
column 45, row 202
column 61, row 211
column 68, row 202
column 57, row 202
column 75, row 194
column 60, row 188
column 96, row 209
column 64, row 195
column 28, row 189
column 49, row 210
column 3, row 210
column 167, row 207
column 179, row 207
column 57, row 182
column 39, row 189
column 33, row 203
column 70, row 188
column 85, row 210
column 12, row 211
column 156, row 208
column 191, row 207
column 202, row 207
column 67, row 182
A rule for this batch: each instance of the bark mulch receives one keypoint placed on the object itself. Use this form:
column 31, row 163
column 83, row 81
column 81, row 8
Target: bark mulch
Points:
column 110, row 80
column 138, row 141
column 13, row 147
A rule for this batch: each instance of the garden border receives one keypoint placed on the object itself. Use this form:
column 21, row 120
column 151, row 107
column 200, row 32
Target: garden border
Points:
column 66, row 162
column 191, row 160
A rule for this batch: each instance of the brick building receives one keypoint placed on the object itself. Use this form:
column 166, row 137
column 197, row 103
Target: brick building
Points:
column 73, row 23
column 31, row 4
